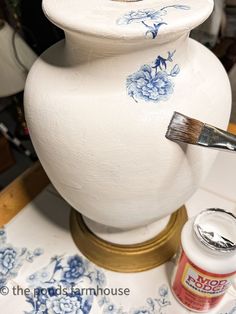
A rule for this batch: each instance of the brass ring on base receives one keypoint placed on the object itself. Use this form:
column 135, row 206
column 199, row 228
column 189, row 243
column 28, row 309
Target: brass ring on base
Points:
column 129, row 258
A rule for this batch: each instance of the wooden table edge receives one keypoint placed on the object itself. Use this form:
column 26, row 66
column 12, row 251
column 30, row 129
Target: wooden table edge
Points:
column 21, row 192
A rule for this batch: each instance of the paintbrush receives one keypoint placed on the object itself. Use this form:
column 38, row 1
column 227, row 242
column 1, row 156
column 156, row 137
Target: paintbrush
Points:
column 192, row 131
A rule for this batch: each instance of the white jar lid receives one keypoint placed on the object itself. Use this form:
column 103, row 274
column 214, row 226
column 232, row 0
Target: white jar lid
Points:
column 216, row 229
column 128, row 19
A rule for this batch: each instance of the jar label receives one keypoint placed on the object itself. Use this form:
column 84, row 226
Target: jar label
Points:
column 196, row 288
column 203, row 285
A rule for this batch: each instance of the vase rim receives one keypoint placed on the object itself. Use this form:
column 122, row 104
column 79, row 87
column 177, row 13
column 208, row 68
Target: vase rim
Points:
column 128, row 20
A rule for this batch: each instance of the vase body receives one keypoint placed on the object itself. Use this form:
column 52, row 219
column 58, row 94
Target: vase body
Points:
column 99, row 103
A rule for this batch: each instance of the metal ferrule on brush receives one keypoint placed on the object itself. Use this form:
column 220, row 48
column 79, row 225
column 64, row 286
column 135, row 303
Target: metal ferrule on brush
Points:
column 213, row 137
column 189, row 130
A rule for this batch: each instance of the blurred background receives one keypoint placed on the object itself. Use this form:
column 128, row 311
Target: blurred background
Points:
column 25, row 33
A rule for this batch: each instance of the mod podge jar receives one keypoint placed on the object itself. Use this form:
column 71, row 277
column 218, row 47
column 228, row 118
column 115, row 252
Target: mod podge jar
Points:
column 207, row 263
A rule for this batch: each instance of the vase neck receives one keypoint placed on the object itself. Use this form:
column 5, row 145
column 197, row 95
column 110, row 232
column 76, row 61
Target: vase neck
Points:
column 128, row 21
column 81, row 49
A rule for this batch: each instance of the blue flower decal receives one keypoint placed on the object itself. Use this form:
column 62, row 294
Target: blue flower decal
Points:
column 58, row 290
column 163, row 301
column 147, row 85
column 110, row 308
column 57, row 287
column 153, row 83
column 76, row 269
column 150, row 18
column 11, row 258
column 98, row 277
column 51, row 301
column 3, row 236
column 63, row 305
column 155, row 305
column 8, row 260
column 141, row 16
column 163, row 291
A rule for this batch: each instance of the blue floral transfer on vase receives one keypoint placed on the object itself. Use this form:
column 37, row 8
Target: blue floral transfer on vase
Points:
column 153, row 82
column 12, row 258
column 150, row 18
column 57, row 289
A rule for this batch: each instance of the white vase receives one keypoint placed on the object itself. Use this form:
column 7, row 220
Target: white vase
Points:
column 99, row 103
column 13, row 74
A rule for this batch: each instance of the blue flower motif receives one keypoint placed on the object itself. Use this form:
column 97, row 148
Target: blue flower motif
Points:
column 41, row 297
column 163, row 301
column 150, row 18
column 153, row 83
column 76, row 269
column 39, row 278
column 11, row 259
column 110, row 308
column 38, row 252
column 152, row 30
column 63, row 305
column 8, row 258
column 52, row 301
column 2, row 232
column 54, row 286
column 147, row 85
column 102, row 301
column 140, row 16
column 60, row 282
column 2, row 236
column 98, row 278
column 75, row 261
column 32, row 278
column 163, row 291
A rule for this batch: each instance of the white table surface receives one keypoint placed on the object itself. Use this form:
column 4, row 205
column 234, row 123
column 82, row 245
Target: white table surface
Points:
column 44, row 224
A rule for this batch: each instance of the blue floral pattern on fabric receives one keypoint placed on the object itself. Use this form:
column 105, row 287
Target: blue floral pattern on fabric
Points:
column 153, row 82
column 150, row 18
column 58, row 289
column 12, row 258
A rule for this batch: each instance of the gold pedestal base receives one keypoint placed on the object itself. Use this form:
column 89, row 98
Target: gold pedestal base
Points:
column 129, row 258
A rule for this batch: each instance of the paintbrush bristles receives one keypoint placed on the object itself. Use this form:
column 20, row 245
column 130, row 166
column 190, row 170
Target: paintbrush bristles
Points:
column 184, row 129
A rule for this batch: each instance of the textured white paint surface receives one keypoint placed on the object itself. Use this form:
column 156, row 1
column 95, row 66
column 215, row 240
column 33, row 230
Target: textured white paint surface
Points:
column 106, row 154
